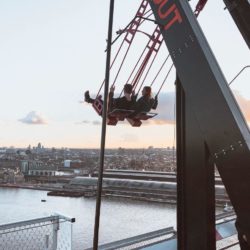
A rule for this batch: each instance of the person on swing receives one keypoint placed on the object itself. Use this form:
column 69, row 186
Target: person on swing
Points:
column 145, row 103
column 126, row 102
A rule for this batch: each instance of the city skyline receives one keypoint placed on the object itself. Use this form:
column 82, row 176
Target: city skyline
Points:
column 51, row 54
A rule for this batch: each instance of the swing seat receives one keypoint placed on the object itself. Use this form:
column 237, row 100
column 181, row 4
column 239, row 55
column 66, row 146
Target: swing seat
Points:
column 117, row 115
column 98, row 105
column 112, row 121
column 136, row 121
column 145, row 116
column 120, row 114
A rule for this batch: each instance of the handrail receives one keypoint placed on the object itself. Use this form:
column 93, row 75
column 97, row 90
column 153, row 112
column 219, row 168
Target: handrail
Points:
column 247, row 66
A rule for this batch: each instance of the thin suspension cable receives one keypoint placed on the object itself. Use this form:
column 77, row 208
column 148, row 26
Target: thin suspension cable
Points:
column 138, row 75
column 130, row 24
column 147, row 17
column 144, row 66
column 150, row 14
column 247, row 66
column 110, row 67
column 165, row 79
column 155, row 40
column 141, row 21
column 121, row 64
column 103, row 135
column 159, row 71
column 174, row 140
column 136, row 64
column 130, row 43
column 116, row 55
column 120, row 32
column 140, row 72
column 150, row 66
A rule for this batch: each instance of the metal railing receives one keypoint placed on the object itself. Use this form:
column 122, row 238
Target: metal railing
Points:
column 48, row 233
column 166, row 238
column 140, row 241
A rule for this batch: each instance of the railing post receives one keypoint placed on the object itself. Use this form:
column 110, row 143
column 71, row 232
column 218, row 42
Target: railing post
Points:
column 55, row 233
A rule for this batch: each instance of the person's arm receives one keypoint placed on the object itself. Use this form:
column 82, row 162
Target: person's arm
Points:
column 155, row 102
column 133, row 99
column 111, row 98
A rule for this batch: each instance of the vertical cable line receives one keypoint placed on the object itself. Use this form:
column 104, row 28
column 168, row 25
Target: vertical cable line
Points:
column 103, row 135
column 174, row 139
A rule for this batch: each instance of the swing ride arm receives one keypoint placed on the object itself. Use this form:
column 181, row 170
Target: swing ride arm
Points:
column 211, row 129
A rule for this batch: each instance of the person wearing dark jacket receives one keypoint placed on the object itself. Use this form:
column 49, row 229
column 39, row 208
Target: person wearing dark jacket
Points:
column 146, row 102
column 126, row 102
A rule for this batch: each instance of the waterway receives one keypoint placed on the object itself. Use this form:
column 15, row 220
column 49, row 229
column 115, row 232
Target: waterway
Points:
column 120, row 218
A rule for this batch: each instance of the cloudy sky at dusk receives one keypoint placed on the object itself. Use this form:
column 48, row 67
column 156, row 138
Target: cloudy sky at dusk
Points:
column 52, row 51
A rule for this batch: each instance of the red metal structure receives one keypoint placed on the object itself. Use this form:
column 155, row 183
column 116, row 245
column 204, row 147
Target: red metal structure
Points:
column 141, row 69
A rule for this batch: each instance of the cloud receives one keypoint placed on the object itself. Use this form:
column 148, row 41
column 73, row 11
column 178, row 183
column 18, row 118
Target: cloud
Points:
column 166, row 108
column 85, row 122
column 244, row 105
column 129, row 138
column 96, row 122
column 33, row 118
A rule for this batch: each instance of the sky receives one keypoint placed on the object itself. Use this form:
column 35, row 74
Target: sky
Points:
column 51, row 51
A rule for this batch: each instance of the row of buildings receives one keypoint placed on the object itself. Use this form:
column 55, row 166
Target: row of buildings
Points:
column 39, row 164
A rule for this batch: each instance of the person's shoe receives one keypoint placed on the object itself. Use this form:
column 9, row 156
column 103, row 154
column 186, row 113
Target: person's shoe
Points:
column 87, row 97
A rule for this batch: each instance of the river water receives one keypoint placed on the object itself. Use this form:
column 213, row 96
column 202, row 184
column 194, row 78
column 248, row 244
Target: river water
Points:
column 120, row 218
